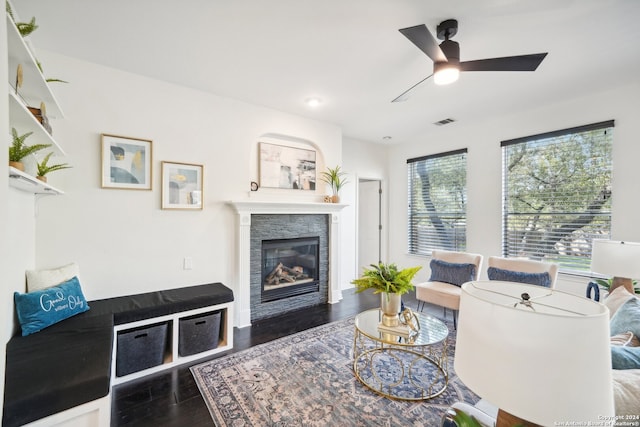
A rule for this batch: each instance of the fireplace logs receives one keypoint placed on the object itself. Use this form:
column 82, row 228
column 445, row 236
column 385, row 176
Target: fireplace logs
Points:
column 290, row 267
column 283, row 274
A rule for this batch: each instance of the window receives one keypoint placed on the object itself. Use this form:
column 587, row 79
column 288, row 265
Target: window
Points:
column 437, row 202
column 557, row 195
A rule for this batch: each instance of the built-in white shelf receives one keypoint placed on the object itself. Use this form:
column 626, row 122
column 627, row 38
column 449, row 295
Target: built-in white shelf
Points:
column 22, row 119
column 172, row 354
column 25, row 182
column 32, row 93
column 35, row 88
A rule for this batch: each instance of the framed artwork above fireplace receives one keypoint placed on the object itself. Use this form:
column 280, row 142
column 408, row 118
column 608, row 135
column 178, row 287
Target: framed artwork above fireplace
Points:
column 283, row 166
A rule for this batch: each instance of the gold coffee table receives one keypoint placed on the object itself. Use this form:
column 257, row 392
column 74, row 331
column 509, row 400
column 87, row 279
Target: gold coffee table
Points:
column 397, row 367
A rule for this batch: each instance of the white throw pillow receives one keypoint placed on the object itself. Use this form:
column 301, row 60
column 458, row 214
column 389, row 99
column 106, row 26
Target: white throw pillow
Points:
column 38, row 280
column 619, row 296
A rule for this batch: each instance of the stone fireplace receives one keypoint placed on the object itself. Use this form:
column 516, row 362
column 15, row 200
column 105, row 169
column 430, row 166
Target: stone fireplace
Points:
column 304, row 239
column 289, row 262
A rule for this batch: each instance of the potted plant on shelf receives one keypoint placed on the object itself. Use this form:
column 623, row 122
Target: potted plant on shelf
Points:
column 19, row 150
column 24, row 28
column 389, row 281
column 336, row 179
column 44, row 168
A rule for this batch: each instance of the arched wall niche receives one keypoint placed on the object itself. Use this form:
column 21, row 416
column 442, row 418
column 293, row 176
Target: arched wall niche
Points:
column 315, row 195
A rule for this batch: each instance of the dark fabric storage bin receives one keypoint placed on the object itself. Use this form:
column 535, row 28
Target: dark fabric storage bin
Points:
column 198, row 333
column 140, row 348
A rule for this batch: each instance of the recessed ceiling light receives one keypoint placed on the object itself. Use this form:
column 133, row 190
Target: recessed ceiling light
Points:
column 313, row 102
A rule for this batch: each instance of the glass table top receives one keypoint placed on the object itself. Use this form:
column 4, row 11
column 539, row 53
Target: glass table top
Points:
column 432, row 330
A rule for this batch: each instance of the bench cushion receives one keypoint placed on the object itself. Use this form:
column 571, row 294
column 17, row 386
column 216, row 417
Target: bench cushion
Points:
column 63, row 366
column 132, row 308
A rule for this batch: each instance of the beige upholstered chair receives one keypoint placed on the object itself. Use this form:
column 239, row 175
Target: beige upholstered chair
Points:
column 523, row 266
column 443, row 288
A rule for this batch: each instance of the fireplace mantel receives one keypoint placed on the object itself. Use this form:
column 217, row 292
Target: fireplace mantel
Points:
column 244, row 210
column 266, row 207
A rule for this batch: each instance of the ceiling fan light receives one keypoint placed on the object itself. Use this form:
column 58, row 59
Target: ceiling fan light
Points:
column 445, row 73
column 313, row 102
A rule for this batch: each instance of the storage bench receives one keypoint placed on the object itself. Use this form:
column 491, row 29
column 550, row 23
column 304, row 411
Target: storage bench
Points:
column 72, row 363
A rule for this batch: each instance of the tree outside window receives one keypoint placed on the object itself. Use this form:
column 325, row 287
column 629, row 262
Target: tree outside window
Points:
column 437, row 202
column 557, row 195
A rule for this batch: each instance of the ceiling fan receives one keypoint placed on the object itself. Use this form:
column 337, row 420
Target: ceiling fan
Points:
column 446, row 56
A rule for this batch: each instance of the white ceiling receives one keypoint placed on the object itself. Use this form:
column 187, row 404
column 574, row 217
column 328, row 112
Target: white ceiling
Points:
column 277, row 53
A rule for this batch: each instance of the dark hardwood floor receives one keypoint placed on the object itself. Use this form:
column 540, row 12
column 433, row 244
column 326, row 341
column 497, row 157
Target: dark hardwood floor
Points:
column 172, row 398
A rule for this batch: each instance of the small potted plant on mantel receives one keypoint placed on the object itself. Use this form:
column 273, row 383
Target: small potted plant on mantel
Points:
column 19, row 150
column 336, row 179
column 44, row 168
column 391, row 283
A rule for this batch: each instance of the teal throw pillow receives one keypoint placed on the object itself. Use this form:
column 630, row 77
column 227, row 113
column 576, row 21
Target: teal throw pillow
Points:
column 626, row 318
column 625, row 357
column 539, row 279
column 37, row 310
column 452, row 273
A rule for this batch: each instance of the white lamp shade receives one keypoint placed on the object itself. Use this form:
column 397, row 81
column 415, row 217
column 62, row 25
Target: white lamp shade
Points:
column 544, row 366
column 616, row 258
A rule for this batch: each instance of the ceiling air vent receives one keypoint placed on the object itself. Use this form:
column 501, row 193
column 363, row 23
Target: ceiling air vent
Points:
column 444, row 122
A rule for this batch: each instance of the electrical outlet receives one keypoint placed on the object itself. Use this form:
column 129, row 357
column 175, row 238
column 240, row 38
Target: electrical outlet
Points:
column 187, row 263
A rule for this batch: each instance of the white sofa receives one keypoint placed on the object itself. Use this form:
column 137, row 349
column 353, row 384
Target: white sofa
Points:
column 626, row 382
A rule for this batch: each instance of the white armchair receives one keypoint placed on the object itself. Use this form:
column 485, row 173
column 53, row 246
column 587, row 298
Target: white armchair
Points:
column 449, row 270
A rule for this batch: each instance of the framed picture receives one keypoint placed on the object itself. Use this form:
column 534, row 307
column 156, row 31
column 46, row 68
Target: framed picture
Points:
column 181, row 186
column 126, row 162
column 287, row 167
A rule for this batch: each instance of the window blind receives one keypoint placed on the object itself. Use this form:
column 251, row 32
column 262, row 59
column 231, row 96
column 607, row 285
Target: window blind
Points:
column 437, row 188
column 557, row 195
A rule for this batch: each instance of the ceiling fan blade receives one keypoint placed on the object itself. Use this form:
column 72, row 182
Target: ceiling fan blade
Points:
column 424, row 40
column 507, row 63
column 407, row 93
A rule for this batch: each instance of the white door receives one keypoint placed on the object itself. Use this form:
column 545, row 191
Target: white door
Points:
column 369, row 223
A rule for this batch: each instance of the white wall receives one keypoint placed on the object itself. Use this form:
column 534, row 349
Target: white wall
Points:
column 6, row 310
column 484, row 170
column 362, row 160
column 122, row 240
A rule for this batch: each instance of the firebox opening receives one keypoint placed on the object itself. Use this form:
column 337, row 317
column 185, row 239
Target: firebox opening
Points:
column 289, row 267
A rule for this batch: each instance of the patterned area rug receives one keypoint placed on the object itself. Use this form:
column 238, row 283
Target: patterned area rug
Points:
column 307, row 379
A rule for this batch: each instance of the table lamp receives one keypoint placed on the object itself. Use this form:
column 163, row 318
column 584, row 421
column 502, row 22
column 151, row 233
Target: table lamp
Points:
column 620, row 260
column 540, row 355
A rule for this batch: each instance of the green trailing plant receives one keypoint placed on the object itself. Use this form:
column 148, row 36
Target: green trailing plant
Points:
column 606, row 284
column 386, row 278
column 44, row 168
column 49, row 80
column 25, row 28
column 56, row 81
column 19, row 150
column 335, row 178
